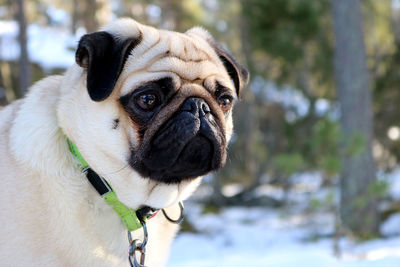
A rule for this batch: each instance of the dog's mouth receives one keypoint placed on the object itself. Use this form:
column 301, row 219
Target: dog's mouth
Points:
column 187, row 146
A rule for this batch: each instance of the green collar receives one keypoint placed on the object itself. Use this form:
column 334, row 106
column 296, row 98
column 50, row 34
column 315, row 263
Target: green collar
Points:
column 128, row 216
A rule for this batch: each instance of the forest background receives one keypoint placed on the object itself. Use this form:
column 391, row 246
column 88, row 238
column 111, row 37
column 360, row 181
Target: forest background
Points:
column 323, row 100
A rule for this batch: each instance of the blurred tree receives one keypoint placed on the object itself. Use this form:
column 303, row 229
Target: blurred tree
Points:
column 180, row 15
column 383, row 44
column 74, row 15
column 24, row 65
column 88, row 14
column 290, row 46
column 358, row 207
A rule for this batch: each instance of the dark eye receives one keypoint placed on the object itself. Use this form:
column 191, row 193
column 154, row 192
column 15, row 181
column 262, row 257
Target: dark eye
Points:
column 225, row 102
column 147, row 101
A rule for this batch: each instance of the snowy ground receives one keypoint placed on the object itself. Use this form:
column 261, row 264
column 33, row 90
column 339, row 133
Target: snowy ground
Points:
column 261, row 237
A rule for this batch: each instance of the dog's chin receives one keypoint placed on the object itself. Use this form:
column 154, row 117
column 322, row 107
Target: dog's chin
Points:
column 197, row 158
column 165, row 181
column 162, row 195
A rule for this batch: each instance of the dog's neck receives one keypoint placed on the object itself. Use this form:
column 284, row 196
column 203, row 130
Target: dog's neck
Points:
column 57, row 174
column 131, row 218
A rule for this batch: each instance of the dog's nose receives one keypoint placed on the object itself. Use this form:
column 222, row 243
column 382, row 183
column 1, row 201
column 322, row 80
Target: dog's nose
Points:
column 196, row 106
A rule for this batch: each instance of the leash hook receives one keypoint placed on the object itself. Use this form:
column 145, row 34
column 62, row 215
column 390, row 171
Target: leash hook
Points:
column 137, row 246
column 181, row 216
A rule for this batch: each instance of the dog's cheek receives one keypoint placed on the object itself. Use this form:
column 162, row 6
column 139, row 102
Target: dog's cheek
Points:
column 104, row 143
column 132, row 133
column 130, row 129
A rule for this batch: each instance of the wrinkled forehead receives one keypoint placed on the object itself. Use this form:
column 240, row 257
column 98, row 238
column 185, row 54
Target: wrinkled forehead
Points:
column 186, row 58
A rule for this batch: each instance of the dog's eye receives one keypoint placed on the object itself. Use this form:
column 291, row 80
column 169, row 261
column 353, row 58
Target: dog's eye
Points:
column 225, row 102
column 147, row 101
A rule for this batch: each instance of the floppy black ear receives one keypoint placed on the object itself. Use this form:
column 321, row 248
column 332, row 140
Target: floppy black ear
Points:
column 239, row 74
column 103, row 57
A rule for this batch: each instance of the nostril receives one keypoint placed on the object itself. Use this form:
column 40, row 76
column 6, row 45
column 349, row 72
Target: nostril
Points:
column 196, row 106
column 205, row 108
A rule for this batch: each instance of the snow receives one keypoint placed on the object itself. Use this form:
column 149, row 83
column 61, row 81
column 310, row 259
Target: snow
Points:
column 393, row 179
column 261, row 237
column 271, row 191
column 293, row 100
column 307, row 181
column 49, row 46
column 391, row 225
column 9, row 47
column 293, row 236
column 232, row 189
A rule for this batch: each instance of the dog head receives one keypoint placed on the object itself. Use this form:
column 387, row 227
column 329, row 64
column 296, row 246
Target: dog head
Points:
column 151, row 110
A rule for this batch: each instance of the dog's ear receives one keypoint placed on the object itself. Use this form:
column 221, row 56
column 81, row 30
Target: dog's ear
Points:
column 103, row 56
column 239, row 74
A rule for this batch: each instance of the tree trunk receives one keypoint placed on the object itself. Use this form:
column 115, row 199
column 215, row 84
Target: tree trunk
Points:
column 5, row 74
column 358, row 205
column 172, row 15
column 249, row 115
column 89, row 15
column 24, row 65
column 75, row 16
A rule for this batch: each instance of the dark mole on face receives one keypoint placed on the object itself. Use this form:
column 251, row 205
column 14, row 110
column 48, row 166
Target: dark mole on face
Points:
column 115, row 124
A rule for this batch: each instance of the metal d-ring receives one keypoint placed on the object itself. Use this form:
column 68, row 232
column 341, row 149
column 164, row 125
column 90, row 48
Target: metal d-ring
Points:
column 136, row 245
column 181, row 216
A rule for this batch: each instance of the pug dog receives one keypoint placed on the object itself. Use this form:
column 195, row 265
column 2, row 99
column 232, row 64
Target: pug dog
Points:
column 149, row 110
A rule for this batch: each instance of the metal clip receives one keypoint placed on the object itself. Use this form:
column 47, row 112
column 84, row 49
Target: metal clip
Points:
column 137, row 246
column 181, row 216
